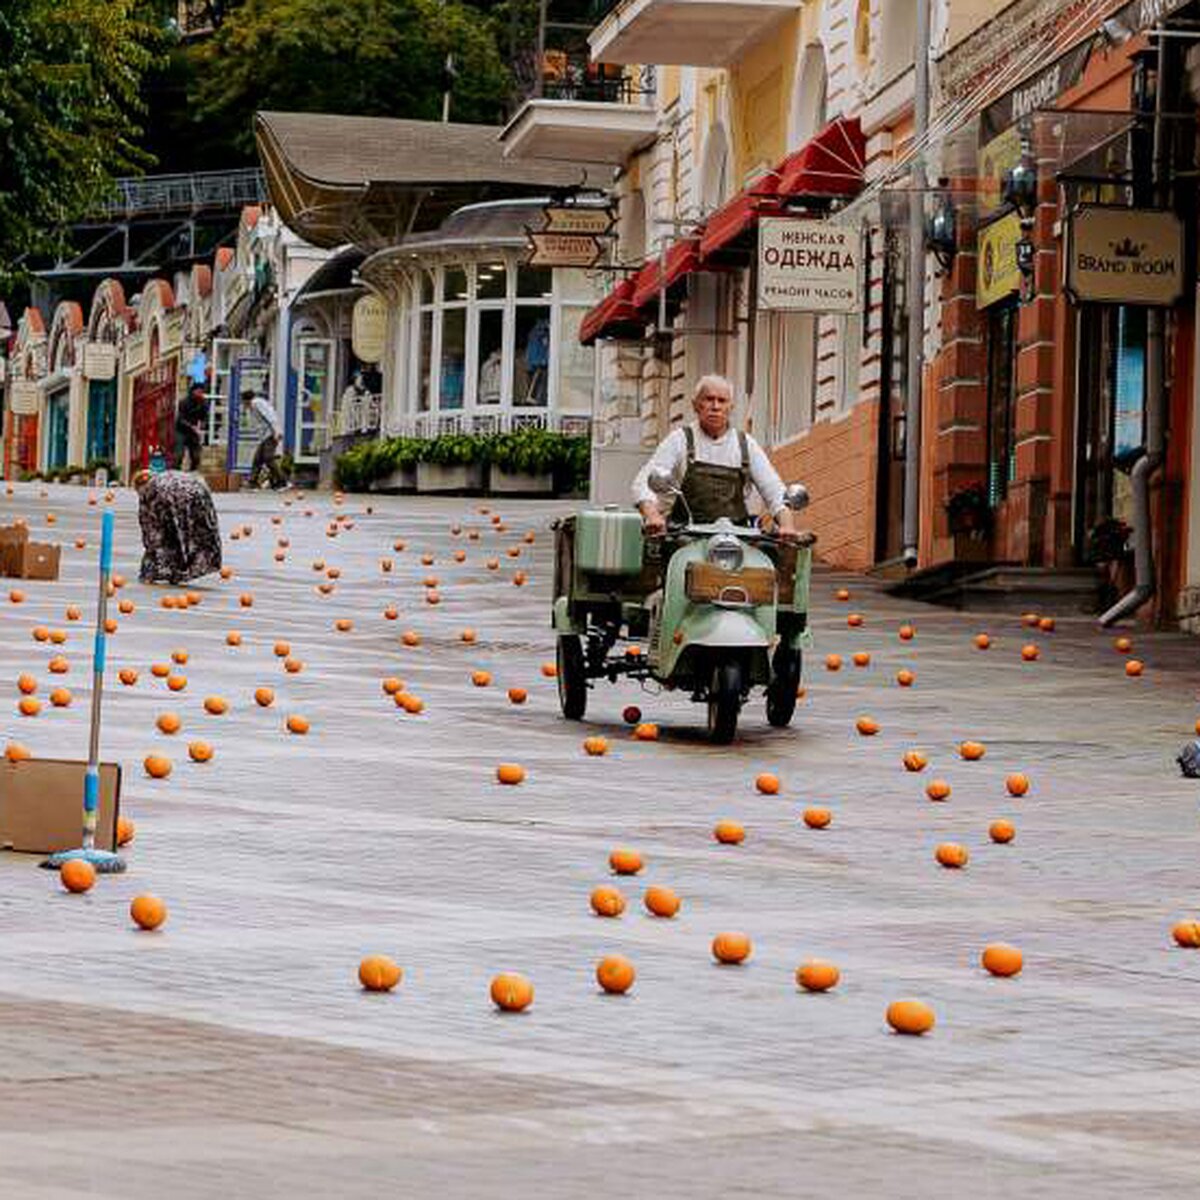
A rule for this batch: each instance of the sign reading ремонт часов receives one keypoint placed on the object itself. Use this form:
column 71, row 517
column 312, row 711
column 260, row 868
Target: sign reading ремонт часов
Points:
column 807, row 266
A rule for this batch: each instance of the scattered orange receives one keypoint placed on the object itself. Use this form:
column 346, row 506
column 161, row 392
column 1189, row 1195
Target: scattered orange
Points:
column 467, row 636
column 1002, row 831
column 1134, row 667
column 910, row 1017
column 73, row 612
column 862, row 659
column 29, row 706
column 59, row 665
column 1002, row 959
column 937, row 789
column 905, row 677
column 595, row 746
column 817, row 818
column 729, row 833
column 951, row 854
column 41, row 633
column 390, row 613
column 297, row 725
column 233, row 639
column 147, row 912
column 1046, row 624
column 661, row 901
column 282, row 649
column 817, row 975
column 157, row 766
column 1030, row 619
column 246, row 600
column 77, row 875
column 1187, row 934
column 731, row 948
column 549, row 670
column 867, row 726
column 177, row 683
column 511, row 993
column 26, row 684
column 833, row 662
column 1030, row 653
column 510, row 773
column 60, row 697
column 914, row 760
column 517, row 695
column 1017, row 784
column 842, row 594
column 180, row 657
column 391, row 685
column 625, row 862
column 169, row 723
column 907, row 633
column 264, row 697
column 126, row 831
column 378, row 973
column 607, row 901
column 615, row 974
column 854, row 620
column 972, row 751
column 200, row 751
column 293, row 666
column 1123, row 645
column 343, row 625
column 410, row 638
column 15, row 752
column 645, row 731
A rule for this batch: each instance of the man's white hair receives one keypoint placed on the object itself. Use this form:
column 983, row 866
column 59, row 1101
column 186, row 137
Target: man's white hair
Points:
column 709, row 383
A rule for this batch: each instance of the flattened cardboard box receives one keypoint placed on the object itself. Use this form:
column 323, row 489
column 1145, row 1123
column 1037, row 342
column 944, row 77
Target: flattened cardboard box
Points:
column 41, row 805
column 37, row 560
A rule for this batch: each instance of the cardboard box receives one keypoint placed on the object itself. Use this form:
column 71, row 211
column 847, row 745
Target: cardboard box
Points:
column 12, row 538
column 41, row 805
column 32, row 560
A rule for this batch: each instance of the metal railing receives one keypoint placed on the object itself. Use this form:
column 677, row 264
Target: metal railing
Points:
column 205, row 191
column 357, row 416
column 429, row 425
column 568, row 76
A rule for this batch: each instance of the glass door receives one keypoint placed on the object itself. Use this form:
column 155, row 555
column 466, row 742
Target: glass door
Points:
column 226, row 352
column 102, row 421
column 57, row 413
column 312, row 410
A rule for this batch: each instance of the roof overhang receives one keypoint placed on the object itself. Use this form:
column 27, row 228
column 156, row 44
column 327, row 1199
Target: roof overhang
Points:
column 579, row 131
column 694, row 33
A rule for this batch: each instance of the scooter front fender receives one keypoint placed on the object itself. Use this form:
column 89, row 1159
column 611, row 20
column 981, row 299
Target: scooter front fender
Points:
column 726, row 628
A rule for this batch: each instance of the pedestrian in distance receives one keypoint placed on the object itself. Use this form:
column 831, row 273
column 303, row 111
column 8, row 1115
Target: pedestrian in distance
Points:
column 266, row 455
column 180, row 534
column 190, row 420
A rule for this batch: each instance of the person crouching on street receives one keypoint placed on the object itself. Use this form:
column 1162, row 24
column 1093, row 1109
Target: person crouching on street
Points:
column 267, row 453
column 180, row 533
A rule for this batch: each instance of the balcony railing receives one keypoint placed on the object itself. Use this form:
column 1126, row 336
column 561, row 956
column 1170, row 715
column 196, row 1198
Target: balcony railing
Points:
column 205, row 191
column 575, row 77
column 429, row 425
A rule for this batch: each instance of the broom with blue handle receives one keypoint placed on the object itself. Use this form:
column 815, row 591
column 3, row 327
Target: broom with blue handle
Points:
column 104, row 861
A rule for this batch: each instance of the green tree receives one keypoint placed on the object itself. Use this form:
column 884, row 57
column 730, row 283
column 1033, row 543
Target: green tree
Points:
column 70, row 76
column 362, row 57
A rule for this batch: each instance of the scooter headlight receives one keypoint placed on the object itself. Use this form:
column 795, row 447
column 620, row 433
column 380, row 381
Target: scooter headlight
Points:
column 726, row 552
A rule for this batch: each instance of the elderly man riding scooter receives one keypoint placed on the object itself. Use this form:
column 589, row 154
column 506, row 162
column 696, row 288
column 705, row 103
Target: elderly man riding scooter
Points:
column 714, row 465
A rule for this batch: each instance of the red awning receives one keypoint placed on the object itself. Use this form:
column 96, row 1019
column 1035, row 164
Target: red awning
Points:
column 679, row 262
column 615, row 316
column 831, row 164
column 739, row 216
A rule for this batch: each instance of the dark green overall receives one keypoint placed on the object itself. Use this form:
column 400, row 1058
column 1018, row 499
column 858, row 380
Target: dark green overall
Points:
column 713, row 491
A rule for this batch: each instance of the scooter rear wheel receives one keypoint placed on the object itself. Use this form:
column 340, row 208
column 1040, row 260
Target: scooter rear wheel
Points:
column 572, row 676
column 724, row 703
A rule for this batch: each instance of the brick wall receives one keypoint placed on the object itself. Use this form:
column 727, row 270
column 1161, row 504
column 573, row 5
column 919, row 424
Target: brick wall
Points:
column 836, row 461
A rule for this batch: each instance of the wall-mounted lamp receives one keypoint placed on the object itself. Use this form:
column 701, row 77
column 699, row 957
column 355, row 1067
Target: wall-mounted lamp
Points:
column 941, row 232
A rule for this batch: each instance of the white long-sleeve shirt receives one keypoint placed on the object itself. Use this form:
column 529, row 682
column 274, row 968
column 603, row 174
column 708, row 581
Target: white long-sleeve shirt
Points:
column 725, row 451
column 267, row 415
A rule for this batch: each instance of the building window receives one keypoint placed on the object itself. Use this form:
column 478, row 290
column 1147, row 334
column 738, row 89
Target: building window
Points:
column 1001, row 400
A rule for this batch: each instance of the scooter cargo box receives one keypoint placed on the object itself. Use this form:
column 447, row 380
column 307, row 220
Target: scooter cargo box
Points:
column 608, row 542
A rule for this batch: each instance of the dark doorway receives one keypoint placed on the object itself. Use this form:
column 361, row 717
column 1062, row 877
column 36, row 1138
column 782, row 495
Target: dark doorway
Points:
column 893, row 381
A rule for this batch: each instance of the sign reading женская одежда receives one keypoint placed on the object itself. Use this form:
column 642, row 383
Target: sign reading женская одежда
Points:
column 808, row 266
column 1124, row 256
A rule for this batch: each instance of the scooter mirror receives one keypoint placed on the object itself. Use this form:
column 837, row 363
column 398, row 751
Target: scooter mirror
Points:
column 795, row 496
column 662, row 482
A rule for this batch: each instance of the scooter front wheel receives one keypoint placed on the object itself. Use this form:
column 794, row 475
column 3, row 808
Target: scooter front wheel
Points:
column 724, row 702
column 781, row 692
column 572, row 676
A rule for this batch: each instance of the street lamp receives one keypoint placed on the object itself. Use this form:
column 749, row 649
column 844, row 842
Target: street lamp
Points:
column 1019, row 189
column 941, row 231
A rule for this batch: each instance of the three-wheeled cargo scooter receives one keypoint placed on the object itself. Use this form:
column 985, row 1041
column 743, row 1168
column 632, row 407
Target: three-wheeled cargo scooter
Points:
column 721, row 608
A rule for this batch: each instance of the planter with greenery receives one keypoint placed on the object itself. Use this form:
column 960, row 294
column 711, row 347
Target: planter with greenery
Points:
column 968, row 510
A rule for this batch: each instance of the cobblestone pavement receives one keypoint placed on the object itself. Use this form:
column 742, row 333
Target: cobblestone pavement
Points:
column 232, row 1054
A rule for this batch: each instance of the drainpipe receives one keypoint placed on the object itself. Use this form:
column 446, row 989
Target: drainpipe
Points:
column 1156, row 402
column 916, row 290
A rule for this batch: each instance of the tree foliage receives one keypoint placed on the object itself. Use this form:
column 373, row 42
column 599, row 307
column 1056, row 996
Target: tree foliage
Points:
column 70, row 76
column 361, row 57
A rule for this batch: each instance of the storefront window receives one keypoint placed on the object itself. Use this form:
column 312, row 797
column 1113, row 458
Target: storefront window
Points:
column 491, row 281
column 534, row 282
column 1002, row 332
column 426, row 287
column 531, row 382
column 576, row 364
column 454, row 359
column 490, row 357
column 425, row 361
column 454, row 284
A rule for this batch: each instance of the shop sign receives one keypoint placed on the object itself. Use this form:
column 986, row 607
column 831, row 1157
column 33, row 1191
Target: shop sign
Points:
column 368, row 329
column 579, row 219
column 1038, row 91
column 1143, row 14
column 1124, row 256
column 998, row 275
column 24, row 398
column 99, row 360
column 564, row 249
column 172, row 331
column 996, row 158
column 807, row 266
column 137, row 352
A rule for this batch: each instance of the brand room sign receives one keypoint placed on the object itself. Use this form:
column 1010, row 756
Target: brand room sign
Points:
column 1124, row 256
column 808, row 266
